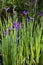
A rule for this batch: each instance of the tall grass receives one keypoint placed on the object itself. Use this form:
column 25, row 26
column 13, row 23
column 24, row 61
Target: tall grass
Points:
column 29, row 49
column 23, row 46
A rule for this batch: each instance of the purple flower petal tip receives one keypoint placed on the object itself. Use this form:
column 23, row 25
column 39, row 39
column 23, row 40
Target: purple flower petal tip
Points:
column 40, row 13
column 6, row 8
column 11, row 29
column 4, row 32
column 25, row 12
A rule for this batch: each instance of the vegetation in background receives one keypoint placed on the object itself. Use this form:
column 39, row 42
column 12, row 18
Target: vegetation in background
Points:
column 21, row 30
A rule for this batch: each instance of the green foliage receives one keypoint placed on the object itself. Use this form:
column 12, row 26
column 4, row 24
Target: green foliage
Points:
column 27, row 48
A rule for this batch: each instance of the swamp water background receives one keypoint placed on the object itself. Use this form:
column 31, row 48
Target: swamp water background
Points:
column 21, row 32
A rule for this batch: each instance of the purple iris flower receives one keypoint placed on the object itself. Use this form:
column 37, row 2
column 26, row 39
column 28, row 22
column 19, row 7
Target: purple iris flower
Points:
column 40, row 13
column 11, row 28
column 25, row 12
column 6, row 8
column 17, row 25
